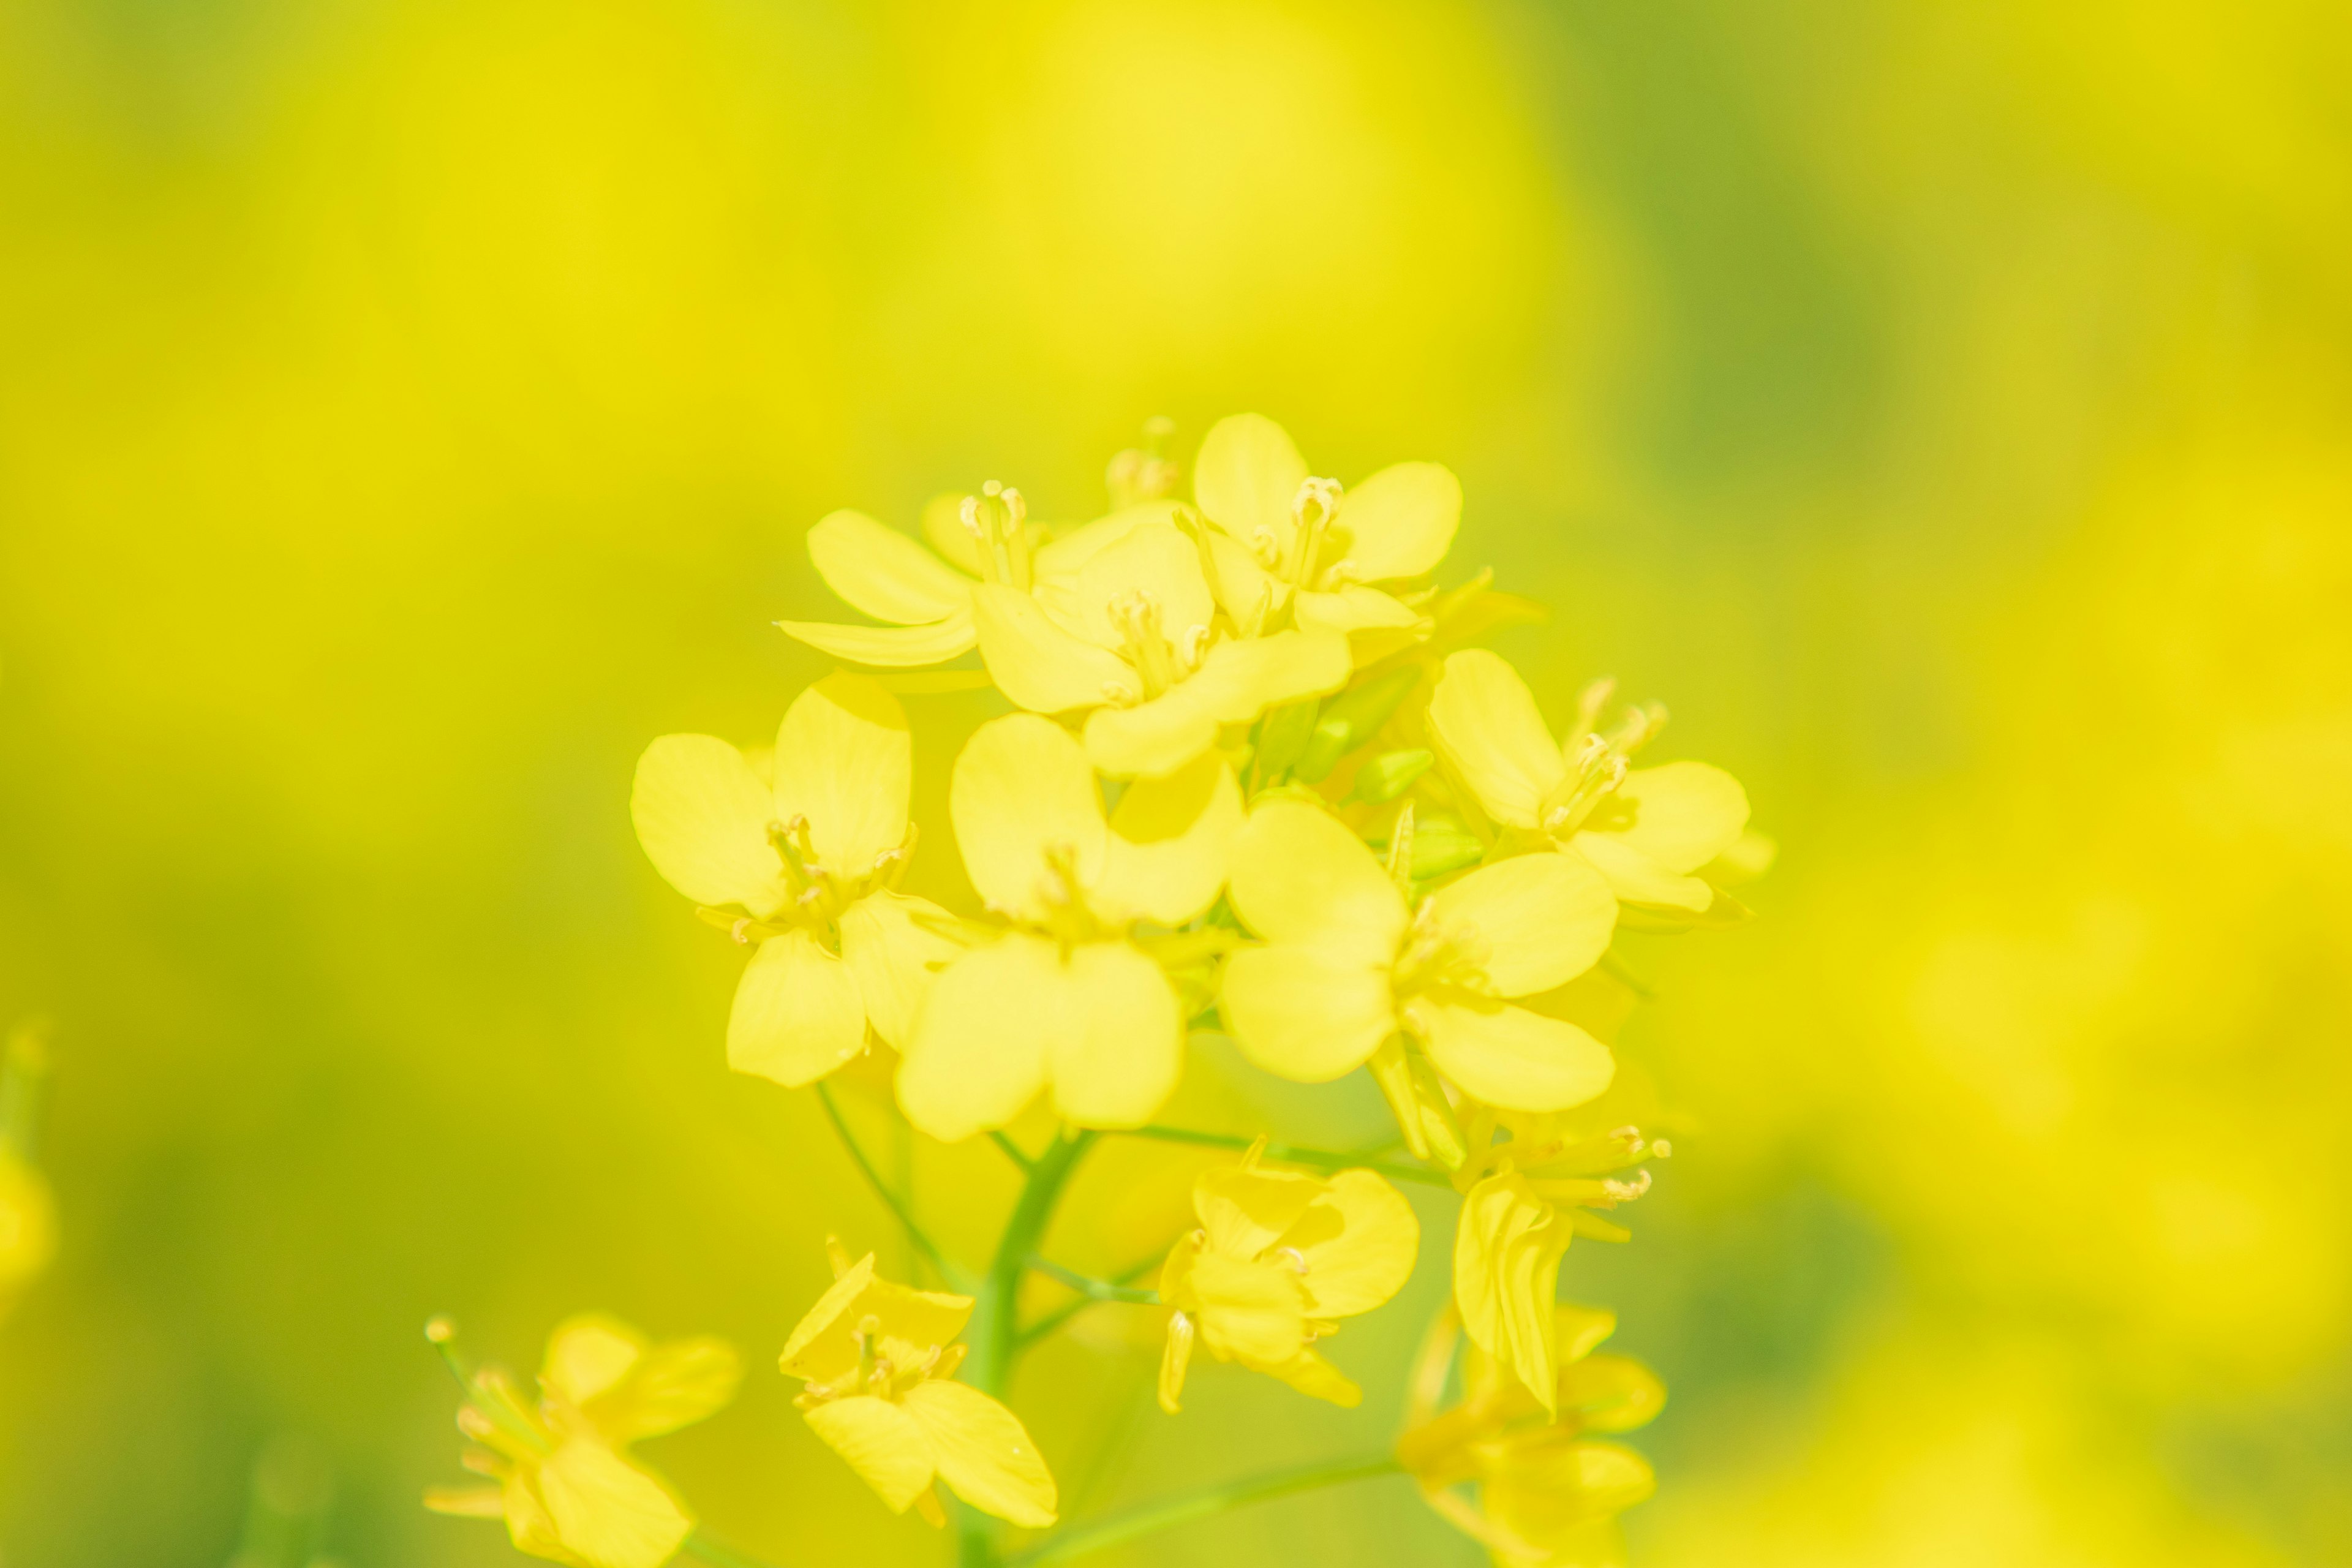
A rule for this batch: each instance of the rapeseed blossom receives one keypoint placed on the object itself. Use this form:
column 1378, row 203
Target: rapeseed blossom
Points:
column 1307, row 547
column 1278, row 1257
column 1645, row 829
column 810, row 843
column 1547, row 1493
column 1523, row 1201
column 878, row 1361
column 567, row 1486
column 1348, row 970
column 1067, row 998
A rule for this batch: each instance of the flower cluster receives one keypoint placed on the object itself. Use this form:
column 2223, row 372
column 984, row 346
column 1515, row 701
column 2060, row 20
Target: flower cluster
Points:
column 1253, row 779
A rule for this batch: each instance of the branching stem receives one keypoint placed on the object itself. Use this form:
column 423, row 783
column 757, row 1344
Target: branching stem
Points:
column 949, row 1270
column 1089, row 1287
column 1295, row 1155
column 1152, row 1518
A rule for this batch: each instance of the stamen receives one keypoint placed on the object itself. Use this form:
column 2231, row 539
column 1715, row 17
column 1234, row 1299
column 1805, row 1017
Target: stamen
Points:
column 1311, row 513
column 1136, row 614
column 1297, row 1258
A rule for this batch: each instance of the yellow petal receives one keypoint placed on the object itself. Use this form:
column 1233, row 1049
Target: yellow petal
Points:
column 890, row 647
column 607, row 1510
column 1579, row 1329
column 1685, row 814
column 1543, row 918
column 1057, row 562
column 1250, row 1311
column 1551, row 1495
column 983, row 1453
column 1172, row 839
column 1507, row 1256
column 674, row 1385
column 529, row 1524
column 1246, row 477
column 1484, row 722
column 797, row 1015
column 588, row 1354
column 885, row 574
column 1299, row 876
column 467, row 1502
column 1036, row 662
column 1246, row 1209
column 1312, row 1376
column 1307, row 1012
column 702, row 815
column 1611, row 1392
column 1636, row 879
column 895, row 946
column 943, row 530
column 885, row 1445
column 1151, row 558
column 1508, row 1056
column 1151, row 738
column 1243, row 587
column 977, row 1053
column 824, row 1346
column 1022, row 788
column 1114, row 1036
column 846, row 762
column 1353, row 608
column 1365, row 1258
column 1400, row 522
column 1173, row 1359
column 1241, row 678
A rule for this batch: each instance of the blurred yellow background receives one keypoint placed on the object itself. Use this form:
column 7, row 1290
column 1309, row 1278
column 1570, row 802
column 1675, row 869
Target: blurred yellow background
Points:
column 407, row 409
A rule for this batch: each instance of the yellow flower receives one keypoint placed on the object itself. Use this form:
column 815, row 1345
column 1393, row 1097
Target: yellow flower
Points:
column 1278, row 1257
column 568, row 1490
column 1310, row 545
column 1066, row 997
column 1646, row 829
column 811, row 846
column 1524, row 1201
column 1127, row 633
column 877, row 1360
column 1347, row 968
column 1548, row 1495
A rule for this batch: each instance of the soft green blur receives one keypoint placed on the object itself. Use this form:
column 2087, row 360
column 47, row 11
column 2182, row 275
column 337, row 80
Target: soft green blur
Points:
column 407, row 409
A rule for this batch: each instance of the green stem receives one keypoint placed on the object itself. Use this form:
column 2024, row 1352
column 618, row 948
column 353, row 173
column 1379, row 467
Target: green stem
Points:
column 1012, row 1151
column 1295, row 1155
column 1154, row 1517
column 995, row 1332
column 1064, row 1313
column 1087, row 1285
column 949, row 1269
column 718, row 1554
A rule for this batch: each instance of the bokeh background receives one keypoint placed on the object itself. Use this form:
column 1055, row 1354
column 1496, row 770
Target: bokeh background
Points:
column 407, row 408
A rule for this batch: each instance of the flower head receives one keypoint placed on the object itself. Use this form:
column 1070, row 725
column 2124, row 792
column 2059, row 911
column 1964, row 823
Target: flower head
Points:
column 1546, row 1493
column 1278, row 1258
column 1645, row 829
column 878, row 1361
column 1311, row 545
column 1067, row 997
column 810, row 847
column 1347, row 968
column 1523, row 1201
column 567, row 1486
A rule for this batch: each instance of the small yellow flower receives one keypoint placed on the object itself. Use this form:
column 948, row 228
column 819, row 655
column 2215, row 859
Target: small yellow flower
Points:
column 879, row 1363
column 811, row 846
column 1129, row 635
column 1646, row 829
column 1346, row 967
column 568, row 1490
column 1067, row 998
column 1548, row 1495
column 1279, row 1257
column 1311, row 546
column 1523, row 1201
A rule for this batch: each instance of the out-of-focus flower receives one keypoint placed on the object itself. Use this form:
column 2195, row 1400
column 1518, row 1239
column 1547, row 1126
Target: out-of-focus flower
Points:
column 1278, row 1257
column 811, row 844
column 1523, row 1201
column 878, row 1361
column 1067, row 997
column 1309, row 546
column 28, row 1213
column 1646, row 829
column 568, row 1488
column 1131, row 638
column 1526, row 1480
column 1347, row 968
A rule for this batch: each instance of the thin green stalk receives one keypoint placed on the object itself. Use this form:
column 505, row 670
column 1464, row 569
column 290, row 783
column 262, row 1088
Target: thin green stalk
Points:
column 949, row 1269
column 1012, row 1151
column 1064, row 1313
column 1295, row 1155
column 1089, row 1286
column 1154, row 1517
column 702, row 1544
